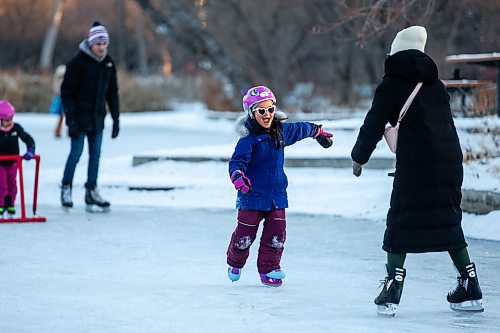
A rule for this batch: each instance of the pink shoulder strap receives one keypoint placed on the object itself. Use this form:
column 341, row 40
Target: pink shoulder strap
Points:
column 408, row 103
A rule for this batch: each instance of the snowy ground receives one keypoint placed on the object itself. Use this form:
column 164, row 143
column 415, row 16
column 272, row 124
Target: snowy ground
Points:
column 156, row 262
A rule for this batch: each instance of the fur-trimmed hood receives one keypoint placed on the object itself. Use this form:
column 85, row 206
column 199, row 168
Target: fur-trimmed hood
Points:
column 241, row 128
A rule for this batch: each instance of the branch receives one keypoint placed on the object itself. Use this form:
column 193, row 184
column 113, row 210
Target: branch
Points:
column 186, row 30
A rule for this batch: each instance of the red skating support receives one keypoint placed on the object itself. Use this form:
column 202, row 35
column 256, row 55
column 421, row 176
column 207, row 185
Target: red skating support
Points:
column 23, row 217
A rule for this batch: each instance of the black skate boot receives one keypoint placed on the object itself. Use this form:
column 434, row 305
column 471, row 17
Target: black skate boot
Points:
column 9, row 207
column 388, row 300
column 467, row 295
column 66, row 196
column 95, row 203
column 11, row 211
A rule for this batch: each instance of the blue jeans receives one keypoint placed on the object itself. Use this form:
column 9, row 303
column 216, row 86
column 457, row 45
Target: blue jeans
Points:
column 94, row 140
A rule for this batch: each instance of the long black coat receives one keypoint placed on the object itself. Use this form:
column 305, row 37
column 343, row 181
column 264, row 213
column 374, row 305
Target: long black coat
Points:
column 425, row 213
column 88, row 84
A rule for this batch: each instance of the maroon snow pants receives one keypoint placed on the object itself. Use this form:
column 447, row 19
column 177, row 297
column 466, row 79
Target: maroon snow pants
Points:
column 271, row 242
column 8, row 183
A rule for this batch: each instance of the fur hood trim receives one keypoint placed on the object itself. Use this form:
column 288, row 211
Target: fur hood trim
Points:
column 242, row 131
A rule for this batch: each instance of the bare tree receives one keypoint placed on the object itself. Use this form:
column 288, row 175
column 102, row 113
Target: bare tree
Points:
column 334, row 45
column 363, row 20
column 176, row 22
column 122, row 12
column 51, row 35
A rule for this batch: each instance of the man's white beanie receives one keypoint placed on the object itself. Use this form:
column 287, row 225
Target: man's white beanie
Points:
column 412, row 38
column 98, row 34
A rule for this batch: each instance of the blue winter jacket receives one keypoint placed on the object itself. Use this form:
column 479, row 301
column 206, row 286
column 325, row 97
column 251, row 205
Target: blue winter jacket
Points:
column 257, row 155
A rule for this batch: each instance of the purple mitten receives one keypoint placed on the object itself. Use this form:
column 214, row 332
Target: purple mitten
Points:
column 240, row 181
column 29, row 154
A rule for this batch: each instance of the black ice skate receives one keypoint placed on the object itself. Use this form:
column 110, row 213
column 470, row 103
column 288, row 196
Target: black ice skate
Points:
column 388, row 300
column 467, row 295
column 95, row 203
column 8, row 207
column 11, row 211
column 66, row 196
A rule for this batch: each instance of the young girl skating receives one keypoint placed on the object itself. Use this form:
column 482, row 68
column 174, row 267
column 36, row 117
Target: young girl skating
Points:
column 256, row 170
column 10, row 133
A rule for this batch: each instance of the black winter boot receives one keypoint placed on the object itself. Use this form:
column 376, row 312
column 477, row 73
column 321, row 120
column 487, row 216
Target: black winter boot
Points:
column 392, row 287
column 467, row 295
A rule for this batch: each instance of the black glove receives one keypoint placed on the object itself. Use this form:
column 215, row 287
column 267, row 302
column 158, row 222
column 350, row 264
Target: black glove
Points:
column 356, row 168
column 323, row 137
column 73, row 130
column 116, row 130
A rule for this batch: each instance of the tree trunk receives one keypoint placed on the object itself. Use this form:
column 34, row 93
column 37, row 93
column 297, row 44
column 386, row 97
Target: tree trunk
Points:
column 49, row 42
column 185, row 29
column 121, row 9
column 142, row 54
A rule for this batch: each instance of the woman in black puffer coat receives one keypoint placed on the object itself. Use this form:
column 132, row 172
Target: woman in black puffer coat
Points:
column 424, row 213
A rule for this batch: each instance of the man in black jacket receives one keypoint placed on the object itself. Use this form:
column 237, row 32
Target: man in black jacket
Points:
column 89, row 83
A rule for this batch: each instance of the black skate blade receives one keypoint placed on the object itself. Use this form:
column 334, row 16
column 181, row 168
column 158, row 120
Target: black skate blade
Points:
column 387, row 310
column 468, row 306
column 96, row 209
column 66, row 207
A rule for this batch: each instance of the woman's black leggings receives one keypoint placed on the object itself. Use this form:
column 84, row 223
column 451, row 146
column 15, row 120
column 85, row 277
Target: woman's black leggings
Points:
column 460, row 259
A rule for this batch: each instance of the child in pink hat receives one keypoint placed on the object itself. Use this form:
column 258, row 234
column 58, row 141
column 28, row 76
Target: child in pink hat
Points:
column 256, row 170
column 10, row 133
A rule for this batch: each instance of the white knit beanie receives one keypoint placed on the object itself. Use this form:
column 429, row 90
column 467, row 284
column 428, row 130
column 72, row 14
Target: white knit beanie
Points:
column 412, row 38
column 98, row 34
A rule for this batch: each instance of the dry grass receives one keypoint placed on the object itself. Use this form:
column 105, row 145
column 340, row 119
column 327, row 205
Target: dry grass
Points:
column 488, row 148
column 33, row 93
column 214, row 97
column 28, row 93
column 137, row 94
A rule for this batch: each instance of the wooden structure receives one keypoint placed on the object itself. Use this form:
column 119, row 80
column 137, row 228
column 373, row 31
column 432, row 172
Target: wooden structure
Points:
column 465, row 83
column 481, row 59
column 478, row 88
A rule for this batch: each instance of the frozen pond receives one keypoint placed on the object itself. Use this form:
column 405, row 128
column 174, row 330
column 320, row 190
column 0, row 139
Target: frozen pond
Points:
column 163, row 270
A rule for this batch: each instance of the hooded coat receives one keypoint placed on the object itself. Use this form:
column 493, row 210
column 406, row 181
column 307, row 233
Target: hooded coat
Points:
column 88, row 84
column 257, row 155
column 424, row 213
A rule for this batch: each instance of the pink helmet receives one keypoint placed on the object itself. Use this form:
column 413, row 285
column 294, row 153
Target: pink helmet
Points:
column 6, row 109
column 256, row 95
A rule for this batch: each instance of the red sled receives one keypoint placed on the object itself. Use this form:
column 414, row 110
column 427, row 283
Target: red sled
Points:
column 23, row 217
